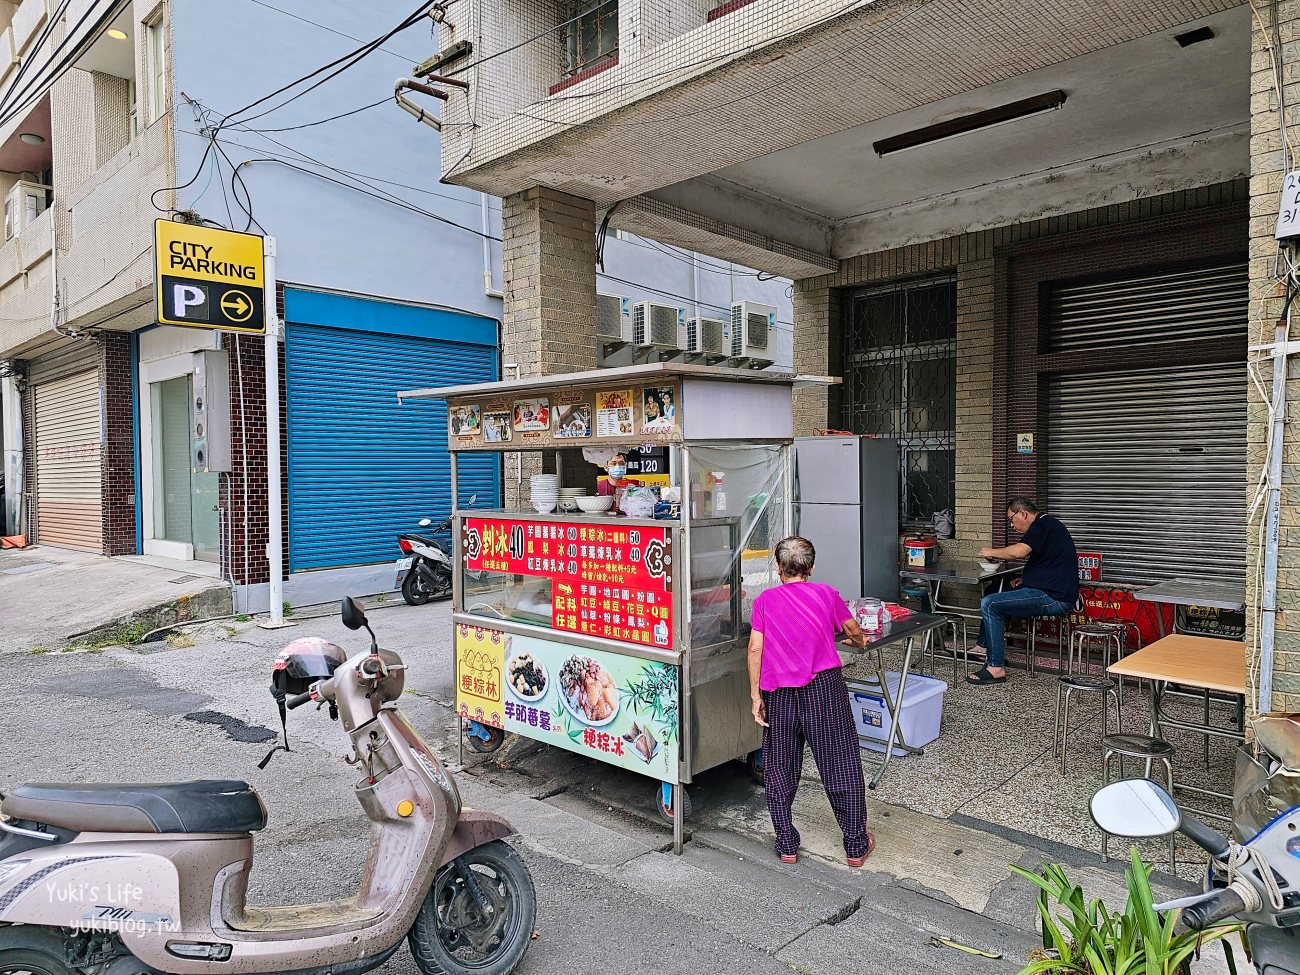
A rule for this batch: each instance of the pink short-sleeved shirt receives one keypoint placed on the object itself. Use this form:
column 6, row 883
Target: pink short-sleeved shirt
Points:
column 798, row 621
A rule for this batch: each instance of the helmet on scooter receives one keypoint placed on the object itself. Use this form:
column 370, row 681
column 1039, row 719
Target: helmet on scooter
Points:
column 303, row 662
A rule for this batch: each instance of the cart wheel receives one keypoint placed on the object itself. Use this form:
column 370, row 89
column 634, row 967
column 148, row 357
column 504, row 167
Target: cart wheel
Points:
column 495, row 736
column 666, row 811
column 754, row 762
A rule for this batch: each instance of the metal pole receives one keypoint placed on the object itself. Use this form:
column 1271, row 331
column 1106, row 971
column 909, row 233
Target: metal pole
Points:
column 274, row 475
column 1272, row 526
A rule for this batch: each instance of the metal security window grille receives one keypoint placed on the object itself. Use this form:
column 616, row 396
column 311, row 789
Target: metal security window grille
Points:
column 900, row 349
column 591, row 34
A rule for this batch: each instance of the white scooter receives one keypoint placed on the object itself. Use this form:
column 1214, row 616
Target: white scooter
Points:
column 1257, row 883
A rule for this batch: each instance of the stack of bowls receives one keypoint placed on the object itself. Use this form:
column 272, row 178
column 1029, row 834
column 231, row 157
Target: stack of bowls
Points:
column 569, row 496
column 545, row 492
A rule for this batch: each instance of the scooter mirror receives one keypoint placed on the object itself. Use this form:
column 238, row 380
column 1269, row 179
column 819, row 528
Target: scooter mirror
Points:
column 353, row 613
column 426, row 522
column 1135, row 809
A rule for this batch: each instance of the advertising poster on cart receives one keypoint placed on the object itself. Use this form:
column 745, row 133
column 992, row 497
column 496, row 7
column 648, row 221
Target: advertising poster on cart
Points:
column 615, row 708
column 605, row 580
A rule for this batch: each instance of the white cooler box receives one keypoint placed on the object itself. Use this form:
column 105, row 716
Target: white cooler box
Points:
column 919, row 716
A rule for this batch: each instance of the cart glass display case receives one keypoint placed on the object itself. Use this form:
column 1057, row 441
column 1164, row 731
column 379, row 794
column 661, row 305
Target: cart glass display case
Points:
column 621, row 636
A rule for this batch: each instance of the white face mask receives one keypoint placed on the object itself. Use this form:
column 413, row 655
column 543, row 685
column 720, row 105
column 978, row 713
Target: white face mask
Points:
column 616, row 473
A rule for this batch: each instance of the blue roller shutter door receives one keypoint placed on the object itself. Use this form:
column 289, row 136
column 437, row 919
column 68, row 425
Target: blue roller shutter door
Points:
column 361, row 467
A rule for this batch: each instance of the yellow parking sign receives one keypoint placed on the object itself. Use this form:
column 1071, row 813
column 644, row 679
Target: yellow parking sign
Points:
column 209, row 278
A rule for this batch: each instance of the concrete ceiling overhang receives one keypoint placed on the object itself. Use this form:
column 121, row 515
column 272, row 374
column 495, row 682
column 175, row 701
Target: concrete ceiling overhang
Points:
column 776, row 141
column 16, row 156
column 871, row 62
column 1140, row 118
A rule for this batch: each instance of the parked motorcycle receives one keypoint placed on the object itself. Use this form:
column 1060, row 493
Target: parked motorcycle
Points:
column 424, row 570
column 124, row 879
column 1256, row 883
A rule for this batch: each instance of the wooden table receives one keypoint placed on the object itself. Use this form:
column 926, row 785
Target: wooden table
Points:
column 1201, row 662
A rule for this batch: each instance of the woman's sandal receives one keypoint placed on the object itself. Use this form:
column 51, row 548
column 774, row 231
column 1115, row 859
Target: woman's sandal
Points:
column 983, row 676
column 871, row 845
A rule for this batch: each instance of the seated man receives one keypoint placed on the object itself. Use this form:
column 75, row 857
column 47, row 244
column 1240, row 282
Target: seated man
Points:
column 1048, row 587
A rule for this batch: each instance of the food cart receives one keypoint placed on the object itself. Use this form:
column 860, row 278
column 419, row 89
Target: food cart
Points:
column 621, row 638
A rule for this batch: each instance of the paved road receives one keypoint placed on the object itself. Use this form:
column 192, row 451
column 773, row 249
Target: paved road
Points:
column 612, row 899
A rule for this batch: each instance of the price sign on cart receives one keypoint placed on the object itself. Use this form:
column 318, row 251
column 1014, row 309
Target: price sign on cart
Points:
column 607, row 580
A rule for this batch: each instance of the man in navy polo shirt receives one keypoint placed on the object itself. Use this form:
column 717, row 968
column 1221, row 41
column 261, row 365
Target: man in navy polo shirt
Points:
column 1049, row 585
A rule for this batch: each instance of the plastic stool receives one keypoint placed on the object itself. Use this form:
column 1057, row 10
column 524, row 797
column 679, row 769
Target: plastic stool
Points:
column 1066, row 686
column 1148, row 749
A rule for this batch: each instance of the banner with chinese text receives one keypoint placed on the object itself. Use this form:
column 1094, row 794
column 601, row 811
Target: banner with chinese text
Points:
column 617, row 709
column 607, row 580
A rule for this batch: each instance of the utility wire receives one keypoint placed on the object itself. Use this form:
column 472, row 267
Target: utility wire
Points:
column 340, row 65
column 9, row 113
column 308, row 125
column 332, row 30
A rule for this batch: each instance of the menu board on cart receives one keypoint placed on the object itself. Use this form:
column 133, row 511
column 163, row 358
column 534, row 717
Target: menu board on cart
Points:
column 615, row 708
column 608, row 579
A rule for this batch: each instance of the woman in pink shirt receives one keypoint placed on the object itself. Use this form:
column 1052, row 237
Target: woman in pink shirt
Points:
column 799, row 696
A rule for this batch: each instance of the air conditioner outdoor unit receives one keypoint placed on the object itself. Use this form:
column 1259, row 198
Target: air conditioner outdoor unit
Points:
column 614, row 318
column 752, row 326
column 656, row 325
column 25, row 202
column 707, row 335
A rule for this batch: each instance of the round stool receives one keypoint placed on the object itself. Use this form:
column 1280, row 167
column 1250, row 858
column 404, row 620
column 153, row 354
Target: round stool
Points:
column 1147, row 749
column 1106, row 634
column 1067, row 685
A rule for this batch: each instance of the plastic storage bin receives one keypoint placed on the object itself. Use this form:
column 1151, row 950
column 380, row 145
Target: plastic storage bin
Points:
column 919, row 716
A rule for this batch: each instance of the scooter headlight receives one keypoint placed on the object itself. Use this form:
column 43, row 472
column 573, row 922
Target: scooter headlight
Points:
column 11, row 867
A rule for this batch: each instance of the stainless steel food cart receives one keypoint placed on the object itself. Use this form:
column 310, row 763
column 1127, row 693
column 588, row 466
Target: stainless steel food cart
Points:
column 553, row 609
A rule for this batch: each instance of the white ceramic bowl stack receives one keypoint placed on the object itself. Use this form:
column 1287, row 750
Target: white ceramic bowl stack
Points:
column 545, row 492
column 569, row 498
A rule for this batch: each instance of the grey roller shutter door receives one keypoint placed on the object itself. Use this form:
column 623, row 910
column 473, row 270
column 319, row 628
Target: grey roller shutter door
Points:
column 69, row 509
column 1148, row 467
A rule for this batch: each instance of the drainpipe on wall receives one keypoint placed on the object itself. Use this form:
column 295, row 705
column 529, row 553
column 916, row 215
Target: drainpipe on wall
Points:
column 1272, row 523
column 488, row 290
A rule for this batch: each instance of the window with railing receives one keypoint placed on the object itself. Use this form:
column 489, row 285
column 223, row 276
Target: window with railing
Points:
column 900, row 365
column 590, row 34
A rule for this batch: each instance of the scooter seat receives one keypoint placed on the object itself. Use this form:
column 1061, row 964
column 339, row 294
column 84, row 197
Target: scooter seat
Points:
column 421, row 539
column 207, row 806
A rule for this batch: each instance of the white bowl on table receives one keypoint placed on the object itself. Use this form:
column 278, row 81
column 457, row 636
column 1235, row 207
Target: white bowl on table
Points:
column 596, row 505
column 989, row 566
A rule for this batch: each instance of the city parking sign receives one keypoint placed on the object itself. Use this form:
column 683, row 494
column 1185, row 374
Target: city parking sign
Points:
column 209, row 278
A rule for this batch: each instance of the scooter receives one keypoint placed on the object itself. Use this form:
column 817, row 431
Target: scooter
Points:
column 1256, row 883
column 424, row 571
column 125, row 879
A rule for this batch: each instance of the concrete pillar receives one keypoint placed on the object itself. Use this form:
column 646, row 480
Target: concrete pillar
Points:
column 550, row 282
column 1268, row 166
column 549, row 319
column 816, row 353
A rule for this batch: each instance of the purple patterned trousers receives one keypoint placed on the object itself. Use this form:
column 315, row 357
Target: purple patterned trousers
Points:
column 817, row 714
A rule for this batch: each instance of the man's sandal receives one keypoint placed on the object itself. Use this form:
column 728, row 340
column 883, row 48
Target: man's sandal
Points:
column 983, row 676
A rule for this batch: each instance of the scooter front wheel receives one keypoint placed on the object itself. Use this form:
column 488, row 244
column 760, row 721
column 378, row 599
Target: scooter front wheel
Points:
column 38, row 951
column 456, row 934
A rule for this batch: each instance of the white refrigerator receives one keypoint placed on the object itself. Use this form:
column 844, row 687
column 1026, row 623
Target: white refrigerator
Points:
column 846, row 503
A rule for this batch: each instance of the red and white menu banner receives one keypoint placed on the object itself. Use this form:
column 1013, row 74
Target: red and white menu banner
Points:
column 607, row 580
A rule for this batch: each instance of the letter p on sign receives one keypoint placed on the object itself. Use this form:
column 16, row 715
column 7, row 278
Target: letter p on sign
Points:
column 187, row 298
